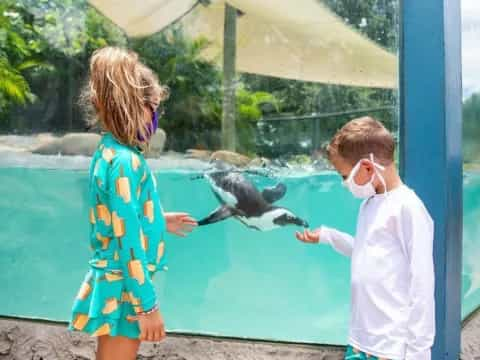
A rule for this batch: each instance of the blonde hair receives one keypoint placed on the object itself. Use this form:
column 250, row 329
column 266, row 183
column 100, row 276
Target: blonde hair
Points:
column 361, row 137
column 121, row 89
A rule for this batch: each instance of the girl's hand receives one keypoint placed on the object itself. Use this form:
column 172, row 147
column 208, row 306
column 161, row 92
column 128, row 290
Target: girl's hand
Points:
column 179, row 223
column 152, row 327
column 310, row 237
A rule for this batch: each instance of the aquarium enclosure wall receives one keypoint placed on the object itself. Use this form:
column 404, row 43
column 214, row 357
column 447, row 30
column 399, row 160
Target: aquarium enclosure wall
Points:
column 260, row 87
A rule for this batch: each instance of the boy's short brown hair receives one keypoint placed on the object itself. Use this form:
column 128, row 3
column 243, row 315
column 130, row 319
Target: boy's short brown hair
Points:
column 361, row 137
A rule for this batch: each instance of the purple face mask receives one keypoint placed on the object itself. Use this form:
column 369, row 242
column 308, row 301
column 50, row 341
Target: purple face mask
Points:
column 152, row 127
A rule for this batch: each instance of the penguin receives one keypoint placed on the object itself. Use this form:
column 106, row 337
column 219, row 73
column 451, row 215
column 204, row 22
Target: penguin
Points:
column 240, row 199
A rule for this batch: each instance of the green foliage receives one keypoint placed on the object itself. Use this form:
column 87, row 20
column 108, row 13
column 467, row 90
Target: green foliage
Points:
column 376, row 19
column 194, row 109
column 249, row 111
column 13, row 85
column 64, row 33
column 471, row 129
column 192, row 117
column 19, row 54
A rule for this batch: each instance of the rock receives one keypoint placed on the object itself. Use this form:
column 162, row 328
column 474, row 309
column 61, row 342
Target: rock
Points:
column 199, row 154
column 5, row 345
column 231, row 158
column 157, row 144
column 260, row 162
column 86, row 143
column 70, row 144
column 300, row 160
column 23, row 142
column 80, row 144
column 45, row 137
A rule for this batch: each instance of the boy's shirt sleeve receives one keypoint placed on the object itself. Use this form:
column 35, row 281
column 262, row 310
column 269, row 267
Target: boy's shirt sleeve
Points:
column 340, row 241
column 124, row 179
column 417, row 232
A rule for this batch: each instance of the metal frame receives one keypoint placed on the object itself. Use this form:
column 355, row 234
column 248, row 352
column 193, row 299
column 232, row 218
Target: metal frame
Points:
column 430, row 145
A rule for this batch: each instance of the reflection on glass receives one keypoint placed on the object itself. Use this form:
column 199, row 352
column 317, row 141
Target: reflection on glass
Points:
column 471, row 155
column 260, row 86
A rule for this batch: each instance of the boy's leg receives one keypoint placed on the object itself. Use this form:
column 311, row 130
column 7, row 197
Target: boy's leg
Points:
column 117, row 348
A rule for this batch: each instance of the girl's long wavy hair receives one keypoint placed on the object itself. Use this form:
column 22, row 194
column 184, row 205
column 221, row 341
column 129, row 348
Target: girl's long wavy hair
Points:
column 124, row 93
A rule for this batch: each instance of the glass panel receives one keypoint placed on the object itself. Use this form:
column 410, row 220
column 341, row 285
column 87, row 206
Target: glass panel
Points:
column 261, row 86
column 471, row 153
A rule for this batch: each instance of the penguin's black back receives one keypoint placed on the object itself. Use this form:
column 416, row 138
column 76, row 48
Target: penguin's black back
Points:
column 250, row 200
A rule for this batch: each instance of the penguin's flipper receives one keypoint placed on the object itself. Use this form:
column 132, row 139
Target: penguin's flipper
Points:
column 275, row 193
column 219, row 214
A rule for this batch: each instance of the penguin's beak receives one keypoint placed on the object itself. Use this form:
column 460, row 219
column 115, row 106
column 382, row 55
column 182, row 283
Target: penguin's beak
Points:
column 300, row 222
column 290, row 219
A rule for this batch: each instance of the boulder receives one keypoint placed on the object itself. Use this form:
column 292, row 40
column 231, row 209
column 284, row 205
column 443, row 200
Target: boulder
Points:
column 231, row 158
column 260, row 162
column 86, row 143
column 198, row 154
column 70, row 144
column 157, row 144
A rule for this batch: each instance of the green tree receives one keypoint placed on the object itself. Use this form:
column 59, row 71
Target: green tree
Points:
column 19, row 55
column 66, row 33
column 192, row 113
column 194, row 110
column 73, row 30
column 376, row 19
column 471, row 128
column 249, row 107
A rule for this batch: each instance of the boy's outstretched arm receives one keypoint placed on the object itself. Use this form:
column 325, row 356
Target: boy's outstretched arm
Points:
column 417, row 229
column 340, row 241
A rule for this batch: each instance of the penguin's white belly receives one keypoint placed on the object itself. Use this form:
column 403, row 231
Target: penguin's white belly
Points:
column 263, row 222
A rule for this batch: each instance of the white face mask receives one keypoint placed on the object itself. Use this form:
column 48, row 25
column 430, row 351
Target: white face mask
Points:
column 367, row 190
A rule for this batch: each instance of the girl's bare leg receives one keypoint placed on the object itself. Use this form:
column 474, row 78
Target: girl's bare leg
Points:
column 117, row 348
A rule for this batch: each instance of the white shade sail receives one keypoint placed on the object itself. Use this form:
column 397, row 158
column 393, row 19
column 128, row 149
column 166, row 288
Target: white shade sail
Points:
column 299, row 39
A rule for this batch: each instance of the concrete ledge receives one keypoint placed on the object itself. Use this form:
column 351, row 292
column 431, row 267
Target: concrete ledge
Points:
column 36, row 340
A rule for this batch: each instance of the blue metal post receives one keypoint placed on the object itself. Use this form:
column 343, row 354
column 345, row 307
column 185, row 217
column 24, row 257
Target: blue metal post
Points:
column 430, row 150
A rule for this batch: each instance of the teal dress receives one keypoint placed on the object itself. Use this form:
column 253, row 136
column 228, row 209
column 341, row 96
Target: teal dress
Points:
column 127, row 229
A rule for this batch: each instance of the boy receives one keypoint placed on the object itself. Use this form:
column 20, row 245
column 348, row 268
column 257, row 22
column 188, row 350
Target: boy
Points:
column 392, row 277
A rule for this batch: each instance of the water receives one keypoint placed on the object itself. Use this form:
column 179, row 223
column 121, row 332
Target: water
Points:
column 224, row 279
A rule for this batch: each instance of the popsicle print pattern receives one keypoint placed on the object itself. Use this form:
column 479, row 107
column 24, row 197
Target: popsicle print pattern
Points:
column 85, row 289
column 148, row 209
column 122, row 185
column 127, row 229
column 103, row 213
column 135, row 269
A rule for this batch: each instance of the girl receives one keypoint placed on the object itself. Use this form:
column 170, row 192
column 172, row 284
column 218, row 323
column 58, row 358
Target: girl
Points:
column 117, row 301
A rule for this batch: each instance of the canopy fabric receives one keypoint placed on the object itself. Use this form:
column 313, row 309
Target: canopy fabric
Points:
column 300, row 40
column 144, row 17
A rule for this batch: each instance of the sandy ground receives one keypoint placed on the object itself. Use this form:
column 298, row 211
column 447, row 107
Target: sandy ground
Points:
column 22, row 340
column 471, row 337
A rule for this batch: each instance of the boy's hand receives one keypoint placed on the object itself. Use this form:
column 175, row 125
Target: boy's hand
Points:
column 179, row 223
column 310, row 237
column 152, row 327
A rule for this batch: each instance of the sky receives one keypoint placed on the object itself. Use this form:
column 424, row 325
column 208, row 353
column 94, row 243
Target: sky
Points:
column 471, row 46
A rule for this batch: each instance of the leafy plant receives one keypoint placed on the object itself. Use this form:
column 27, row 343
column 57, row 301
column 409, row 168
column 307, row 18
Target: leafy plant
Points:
column 471, row 128
column 19, row 54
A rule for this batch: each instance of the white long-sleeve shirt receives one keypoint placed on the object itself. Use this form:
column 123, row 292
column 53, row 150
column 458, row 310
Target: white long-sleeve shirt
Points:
column 392, row 280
